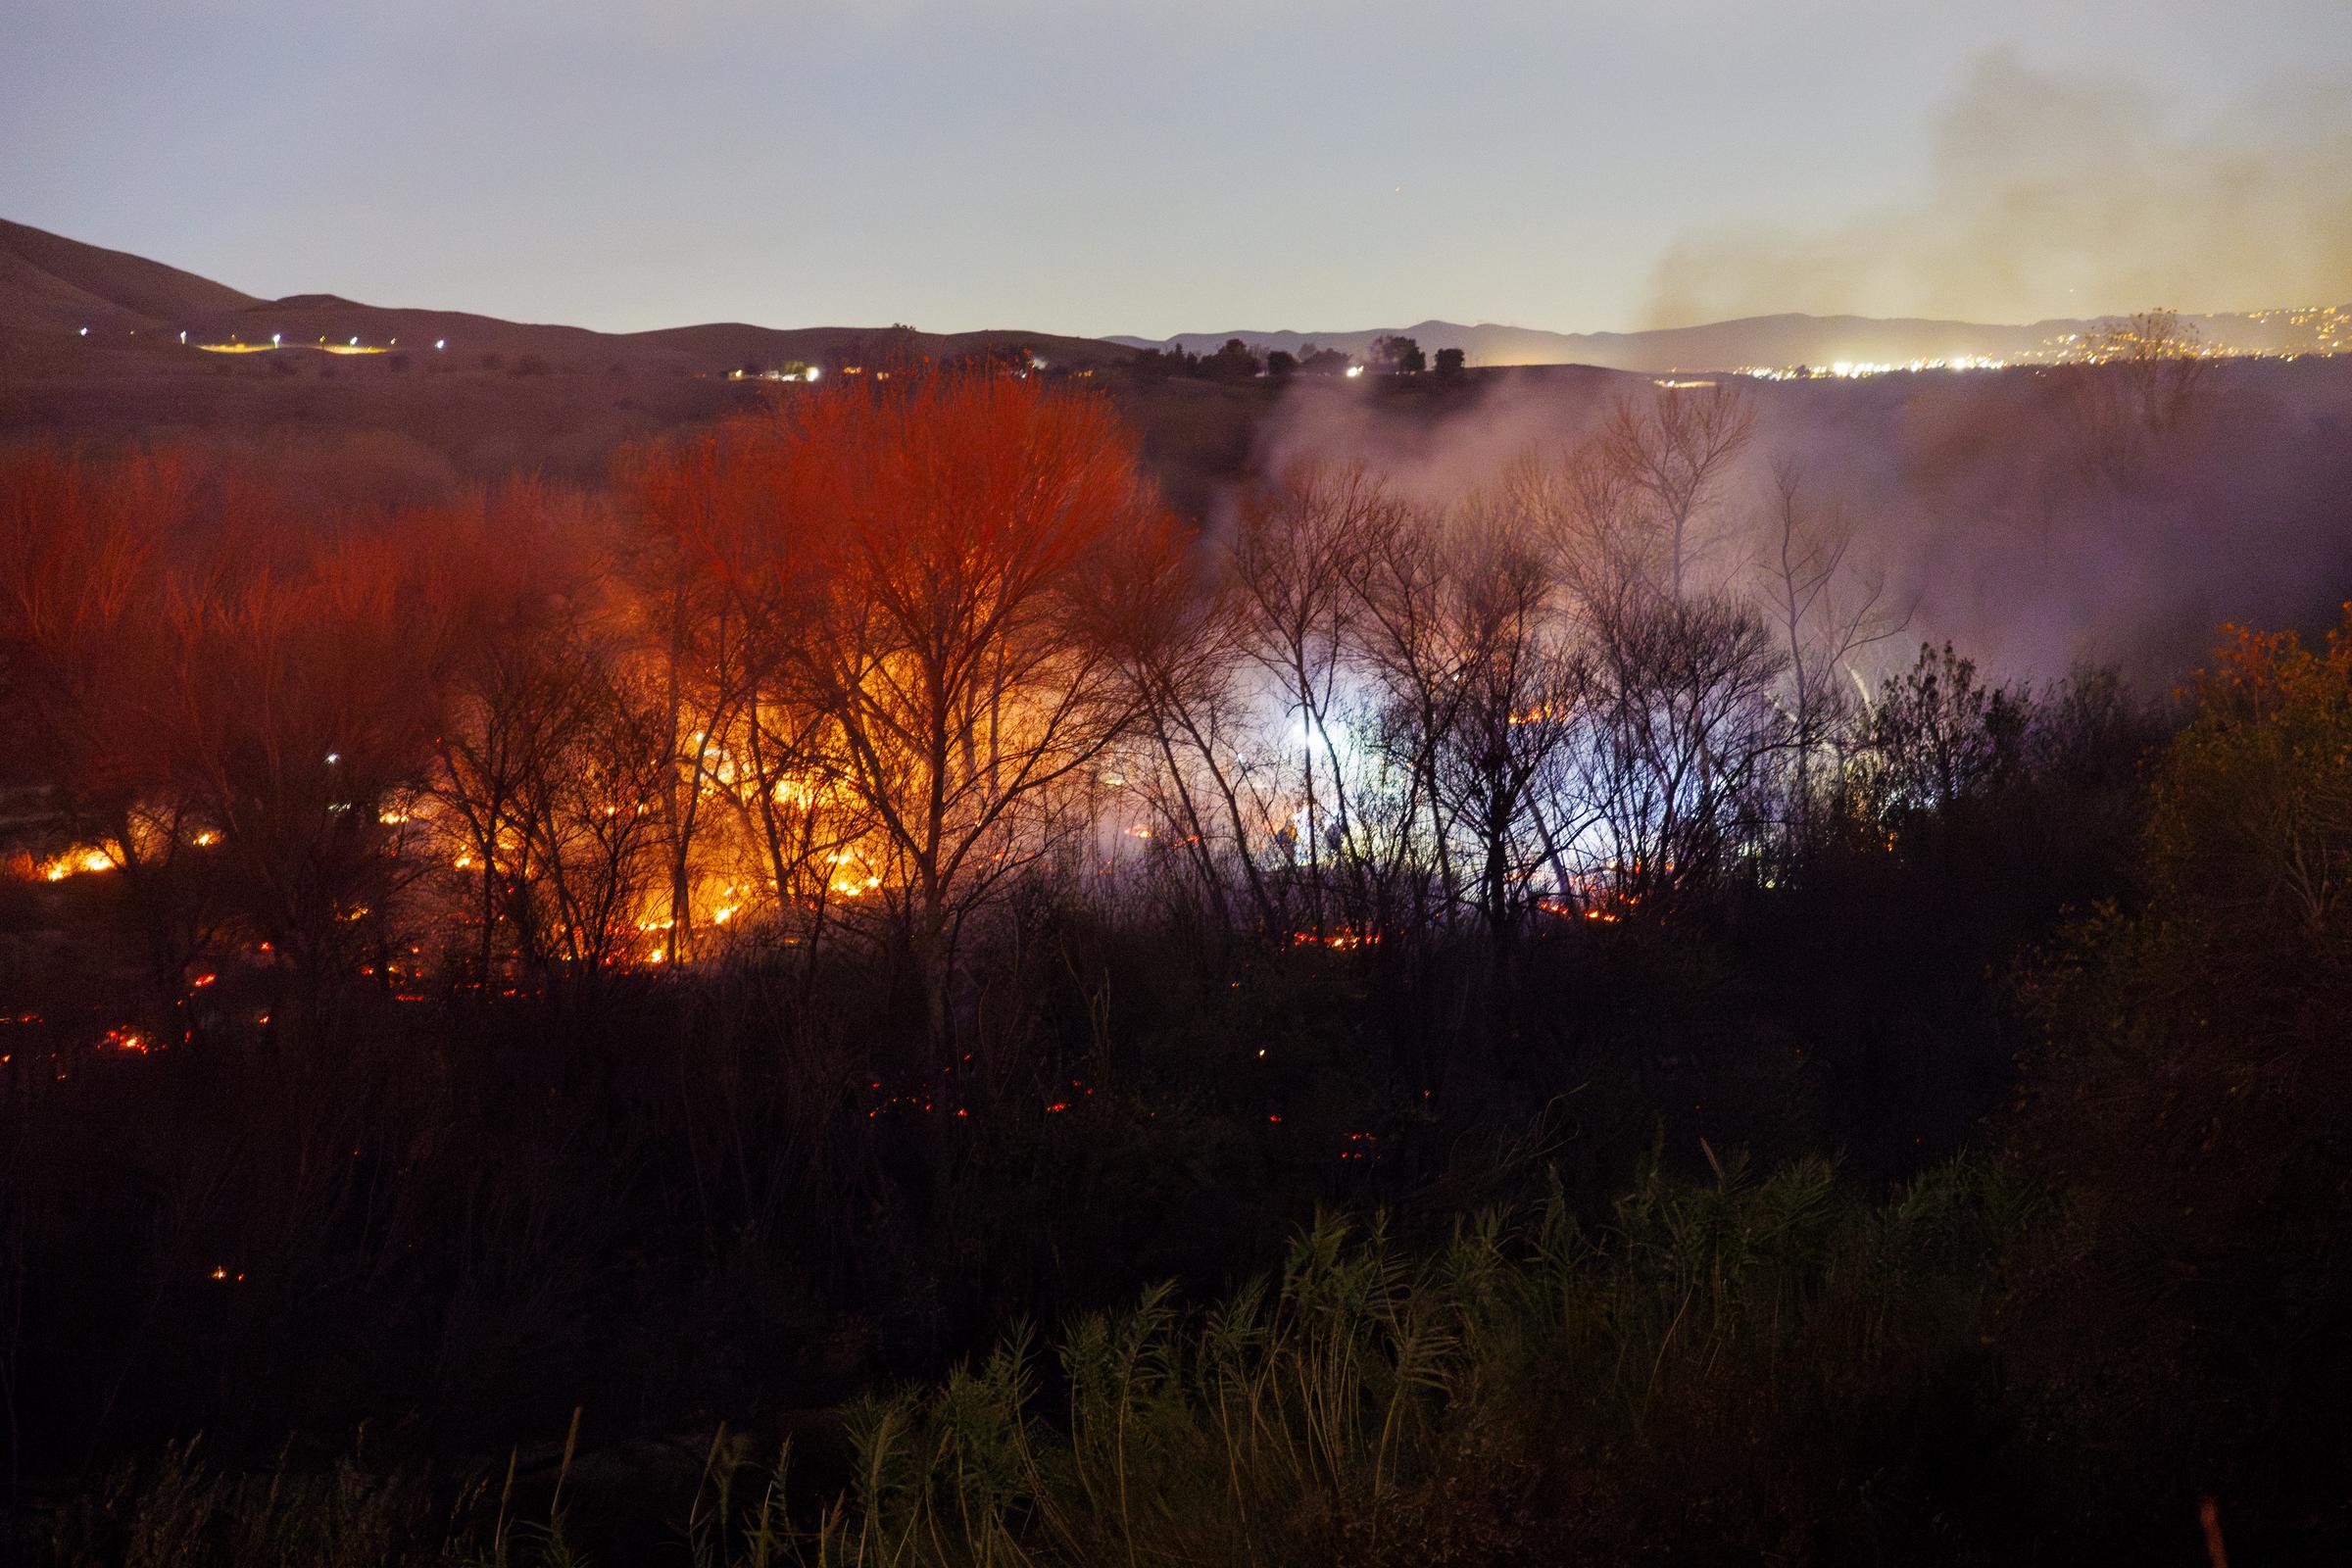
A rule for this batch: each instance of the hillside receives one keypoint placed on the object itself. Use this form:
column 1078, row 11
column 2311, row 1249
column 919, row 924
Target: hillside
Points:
column 381, row 403
column 48, row 283
column 53, row 288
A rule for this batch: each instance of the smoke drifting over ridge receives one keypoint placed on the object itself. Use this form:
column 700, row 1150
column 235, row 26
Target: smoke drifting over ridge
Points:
column 2049, row 196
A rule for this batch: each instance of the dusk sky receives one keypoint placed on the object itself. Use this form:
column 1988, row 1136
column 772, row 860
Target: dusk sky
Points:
column 1162, row 166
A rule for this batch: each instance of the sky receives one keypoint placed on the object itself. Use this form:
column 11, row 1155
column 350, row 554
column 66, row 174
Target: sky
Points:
column 1097, row 168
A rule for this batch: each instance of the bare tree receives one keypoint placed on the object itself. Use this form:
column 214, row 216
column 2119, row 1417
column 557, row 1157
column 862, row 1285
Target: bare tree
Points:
column 1522, row 694
column 299, row 707
column 1669, row 453
column 922, row 552
column 1825, row 613
column 1176, row 628
column 1298, row 546
column 84, row 659
column 2157, row 357
column 1686, row 722
column 592, row 816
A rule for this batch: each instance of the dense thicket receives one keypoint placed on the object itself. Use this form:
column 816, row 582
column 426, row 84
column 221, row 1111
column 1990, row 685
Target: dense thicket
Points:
column 875, row 880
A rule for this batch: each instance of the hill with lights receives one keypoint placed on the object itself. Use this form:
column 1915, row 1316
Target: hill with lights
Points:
column 56, row 292
column 1787, row 341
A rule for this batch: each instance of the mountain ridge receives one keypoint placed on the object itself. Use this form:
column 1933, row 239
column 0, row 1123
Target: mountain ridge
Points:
column 1782, row 339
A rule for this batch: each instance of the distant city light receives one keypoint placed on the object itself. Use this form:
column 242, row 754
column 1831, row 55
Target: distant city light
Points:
column 85, row 331
column 440, row 342
column 813, row 373
column 273, row 340
column 1355, row 370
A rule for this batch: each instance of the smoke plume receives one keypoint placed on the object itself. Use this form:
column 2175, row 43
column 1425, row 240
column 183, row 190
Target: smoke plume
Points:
column 2048, row 196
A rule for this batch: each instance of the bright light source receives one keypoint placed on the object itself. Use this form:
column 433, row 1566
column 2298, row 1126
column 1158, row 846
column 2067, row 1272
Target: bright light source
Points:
column 355, row 342
column 332, row 757
column 813, row 373
column 183, row 335
column 1355, row 370
column 274, row 338
column 85, row 331
column 440, row 342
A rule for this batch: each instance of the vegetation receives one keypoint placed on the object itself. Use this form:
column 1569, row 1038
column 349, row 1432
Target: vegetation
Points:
column 913, row 1009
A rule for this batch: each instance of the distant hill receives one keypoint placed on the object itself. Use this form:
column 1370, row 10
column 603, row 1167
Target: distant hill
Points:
column 49, row 281
column 52, row 287
column 1782, row 340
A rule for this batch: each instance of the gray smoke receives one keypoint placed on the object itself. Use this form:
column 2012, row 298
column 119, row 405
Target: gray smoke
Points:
column 1993, row 501
column 2049, row 196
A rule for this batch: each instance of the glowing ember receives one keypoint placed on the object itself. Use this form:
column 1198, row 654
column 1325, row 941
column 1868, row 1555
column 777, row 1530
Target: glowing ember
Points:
column 1340, row 939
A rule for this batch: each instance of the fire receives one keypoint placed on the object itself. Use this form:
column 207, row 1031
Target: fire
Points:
column 844, row 882
column 1602, row 905
column 82, row 861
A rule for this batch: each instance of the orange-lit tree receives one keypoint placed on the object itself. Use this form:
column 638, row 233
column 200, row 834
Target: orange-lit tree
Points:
column 2253, row 826
column 553, row 754
column 918, row 567
column 299, row 706
column 83, row 582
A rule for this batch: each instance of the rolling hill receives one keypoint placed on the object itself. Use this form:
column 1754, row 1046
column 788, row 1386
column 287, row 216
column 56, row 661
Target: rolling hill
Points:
column 48, row 283
column 53, row 288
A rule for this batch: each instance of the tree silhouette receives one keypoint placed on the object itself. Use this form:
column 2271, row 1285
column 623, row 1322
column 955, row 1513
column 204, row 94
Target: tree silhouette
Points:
column 1397, row 355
